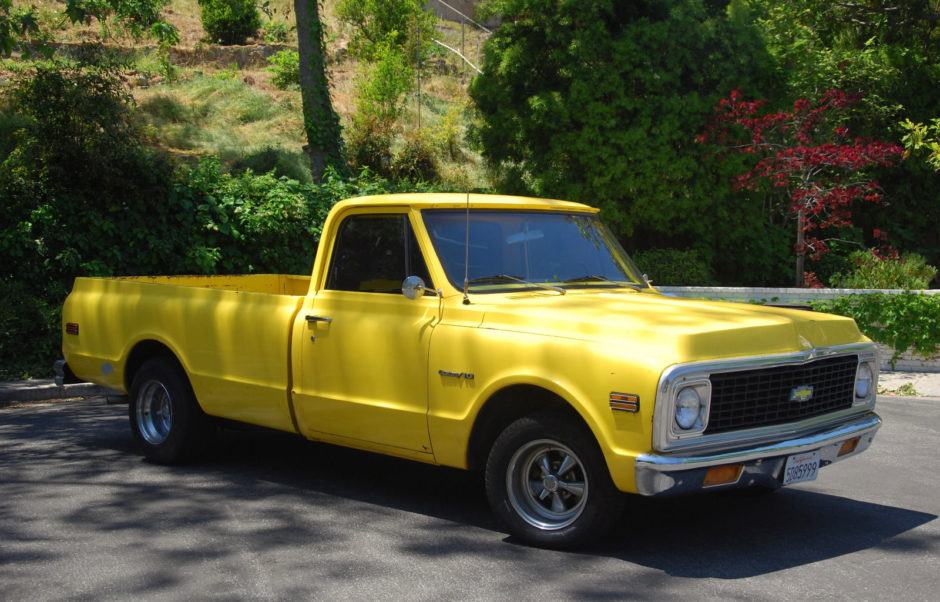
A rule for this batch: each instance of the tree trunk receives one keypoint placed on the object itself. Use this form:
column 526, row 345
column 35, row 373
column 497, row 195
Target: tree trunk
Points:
column 324, row 139
column 800, row 249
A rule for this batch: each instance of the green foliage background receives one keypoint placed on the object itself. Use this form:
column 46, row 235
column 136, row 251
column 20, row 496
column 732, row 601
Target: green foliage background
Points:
column 83, row 193
column 900, row 321
column 599, row 101
column 871, row 271
column 889, row 51
column 230, row 21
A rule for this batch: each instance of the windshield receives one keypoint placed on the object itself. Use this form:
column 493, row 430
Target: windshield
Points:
column 515, row 249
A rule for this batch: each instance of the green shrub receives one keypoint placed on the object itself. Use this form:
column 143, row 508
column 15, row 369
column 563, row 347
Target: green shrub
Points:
column 9, row 124
column 904, row 321
column 871, row 270
column 448, row 133
column 672, row 267
column 276, row 32
column 247, row 223
column 142, row 12
column 29, row 329
column 369, row 141
column 383, row 83
column 285, row 65
column 134, row 16
column 229, row 21
column 417, row 159
column 81, row 185
column 377, row 22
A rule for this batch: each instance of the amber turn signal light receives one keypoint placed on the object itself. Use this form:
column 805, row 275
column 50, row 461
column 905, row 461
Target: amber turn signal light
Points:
column 849, row 446
column 722, row 475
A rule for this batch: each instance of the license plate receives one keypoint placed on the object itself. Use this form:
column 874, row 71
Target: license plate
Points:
column 801, row 467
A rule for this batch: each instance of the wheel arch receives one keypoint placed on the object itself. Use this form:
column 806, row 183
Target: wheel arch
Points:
column 505, row 407
column 145, row 350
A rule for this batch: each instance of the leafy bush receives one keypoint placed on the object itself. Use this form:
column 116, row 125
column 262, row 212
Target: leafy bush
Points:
column 29, row 329
column 380, row 88
column 381, row 85
column 378, row 22
column 369, row 142
column 247, row 223
column 229, row 21
column 874, row 270
column 285, row 65
column 672, row 267
column 9, row 123
column 920, row 136
column 276, row 32
column 143, row 13
column 417, row 159
column 598, row 102
column 81, row 186
column 448, row 133
column 904, row 321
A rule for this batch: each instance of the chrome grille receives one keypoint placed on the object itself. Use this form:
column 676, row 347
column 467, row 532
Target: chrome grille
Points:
column 761, row 397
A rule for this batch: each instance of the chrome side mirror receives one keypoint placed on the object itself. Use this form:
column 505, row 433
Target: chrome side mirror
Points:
column 413, row 287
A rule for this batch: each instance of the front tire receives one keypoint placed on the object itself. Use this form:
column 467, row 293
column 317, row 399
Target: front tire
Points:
column 548, row 483
column 165, row 418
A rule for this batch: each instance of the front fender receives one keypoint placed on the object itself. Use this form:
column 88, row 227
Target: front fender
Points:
column 468, row 367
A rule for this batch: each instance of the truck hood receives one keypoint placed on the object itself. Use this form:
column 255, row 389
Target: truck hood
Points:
column 669, row 329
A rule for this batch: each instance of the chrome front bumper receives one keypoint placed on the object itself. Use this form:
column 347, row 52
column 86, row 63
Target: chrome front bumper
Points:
column 665, row 475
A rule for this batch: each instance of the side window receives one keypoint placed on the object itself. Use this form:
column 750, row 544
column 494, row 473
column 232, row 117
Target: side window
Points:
column 374, row 253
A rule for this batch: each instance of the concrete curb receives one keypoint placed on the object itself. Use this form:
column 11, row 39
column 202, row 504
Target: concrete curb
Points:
column 46, row 389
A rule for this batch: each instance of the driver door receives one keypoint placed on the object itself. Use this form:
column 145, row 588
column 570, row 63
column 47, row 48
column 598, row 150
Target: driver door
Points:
column 365, row 354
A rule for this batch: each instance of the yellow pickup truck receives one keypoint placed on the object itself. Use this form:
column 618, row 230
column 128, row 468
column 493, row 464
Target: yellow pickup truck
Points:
column 503, row 334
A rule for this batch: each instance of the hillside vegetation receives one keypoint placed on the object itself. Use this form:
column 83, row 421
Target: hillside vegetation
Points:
column 223, row 100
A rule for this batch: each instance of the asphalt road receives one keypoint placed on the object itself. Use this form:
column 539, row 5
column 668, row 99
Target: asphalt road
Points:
column 270, row 516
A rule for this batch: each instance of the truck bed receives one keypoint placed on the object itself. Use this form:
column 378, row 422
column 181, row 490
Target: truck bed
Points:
column 232, row 335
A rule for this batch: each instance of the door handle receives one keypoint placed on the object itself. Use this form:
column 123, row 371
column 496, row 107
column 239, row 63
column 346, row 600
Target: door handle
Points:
column 313, row 320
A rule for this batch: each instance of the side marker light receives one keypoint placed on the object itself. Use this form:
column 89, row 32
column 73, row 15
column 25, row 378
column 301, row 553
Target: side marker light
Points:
column 625, row 402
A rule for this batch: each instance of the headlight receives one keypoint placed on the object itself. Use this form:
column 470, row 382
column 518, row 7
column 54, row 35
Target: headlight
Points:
column 863, row 379
column 688, row 408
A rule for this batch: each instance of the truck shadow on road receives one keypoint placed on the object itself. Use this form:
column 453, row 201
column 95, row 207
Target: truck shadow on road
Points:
column 719, row 535
column 307, row 496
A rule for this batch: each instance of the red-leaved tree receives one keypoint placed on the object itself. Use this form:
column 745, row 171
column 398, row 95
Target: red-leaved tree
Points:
column 809, row 154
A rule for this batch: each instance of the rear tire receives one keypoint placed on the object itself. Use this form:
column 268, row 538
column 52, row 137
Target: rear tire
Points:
column 165, row 418
column 548, row 483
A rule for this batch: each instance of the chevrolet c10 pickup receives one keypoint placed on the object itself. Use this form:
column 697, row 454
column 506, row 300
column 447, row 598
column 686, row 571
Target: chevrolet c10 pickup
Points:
column 509, row 335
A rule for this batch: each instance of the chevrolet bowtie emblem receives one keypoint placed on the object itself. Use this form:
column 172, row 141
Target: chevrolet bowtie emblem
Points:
column 801, row 394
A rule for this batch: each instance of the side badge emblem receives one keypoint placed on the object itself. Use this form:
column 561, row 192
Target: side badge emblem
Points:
column 464, row 375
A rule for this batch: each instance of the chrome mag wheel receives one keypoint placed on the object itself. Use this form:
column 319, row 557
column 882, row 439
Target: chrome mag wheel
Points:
column 154, row 412
column 547, row 484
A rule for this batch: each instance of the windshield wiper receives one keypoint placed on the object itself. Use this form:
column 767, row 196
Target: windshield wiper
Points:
column 504, row 277
column 599, row 278
column 589, row 278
